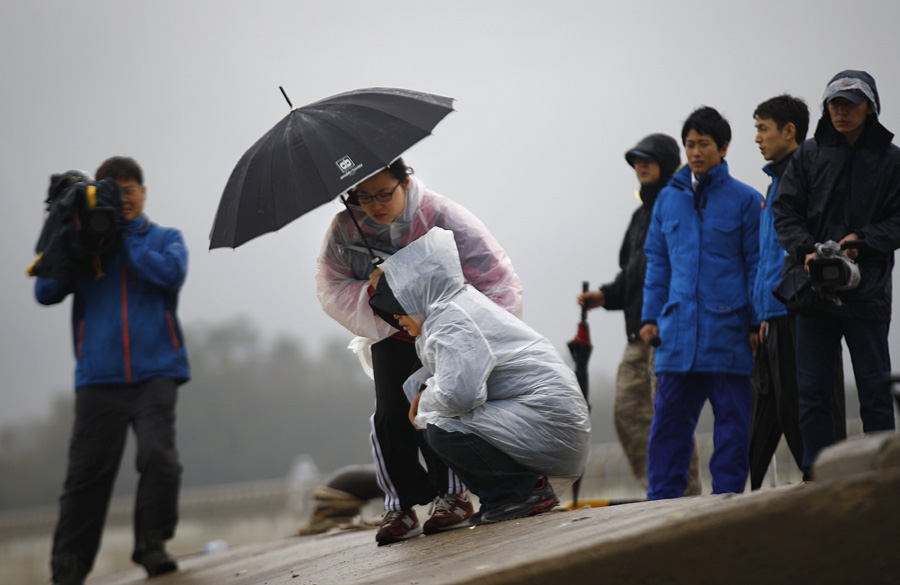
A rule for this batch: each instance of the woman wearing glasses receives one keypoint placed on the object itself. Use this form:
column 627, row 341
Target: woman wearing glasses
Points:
column 393, row 208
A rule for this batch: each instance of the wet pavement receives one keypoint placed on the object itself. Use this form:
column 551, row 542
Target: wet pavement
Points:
column 842, row 528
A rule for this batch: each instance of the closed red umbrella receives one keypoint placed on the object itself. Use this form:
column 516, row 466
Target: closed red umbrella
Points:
column 580, row 348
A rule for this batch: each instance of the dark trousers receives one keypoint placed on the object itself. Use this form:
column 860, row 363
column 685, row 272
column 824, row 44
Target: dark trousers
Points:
column 103, row 414
column 867, row 342
column 679, row 400
column 776, row 406
column 396, row 443
column 490, row 473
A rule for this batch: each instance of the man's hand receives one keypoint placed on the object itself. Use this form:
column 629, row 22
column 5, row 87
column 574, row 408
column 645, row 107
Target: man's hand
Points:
column 591, row 299
column 806, row 261
column 851, row 253
column 754, row 341
column 762, row 331
column 375, row 277
column 414, row 410
column 647, row 331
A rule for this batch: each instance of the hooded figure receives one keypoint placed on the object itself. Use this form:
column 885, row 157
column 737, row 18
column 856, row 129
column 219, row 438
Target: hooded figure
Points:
column 626, row 291
column 485, row 372
column 843, row 185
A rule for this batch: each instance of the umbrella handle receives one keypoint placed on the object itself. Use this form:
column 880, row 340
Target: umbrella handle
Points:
column 376, row 260
column 584, row 288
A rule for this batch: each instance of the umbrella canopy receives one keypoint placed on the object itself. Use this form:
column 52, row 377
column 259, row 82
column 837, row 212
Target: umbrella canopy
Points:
column 316, row 153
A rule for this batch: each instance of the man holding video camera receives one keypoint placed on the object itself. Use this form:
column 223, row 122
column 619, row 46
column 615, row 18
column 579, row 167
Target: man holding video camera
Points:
column 130, row 360
column 843, row 185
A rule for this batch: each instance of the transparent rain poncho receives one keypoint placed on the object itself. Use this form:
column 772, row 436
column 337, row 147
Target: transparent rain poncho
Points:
column 344, row 265
column 485, row 371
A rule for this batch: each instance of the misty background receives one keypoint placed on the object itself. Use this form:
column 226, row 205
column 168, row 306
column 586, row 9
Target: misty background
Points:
column 549, row 98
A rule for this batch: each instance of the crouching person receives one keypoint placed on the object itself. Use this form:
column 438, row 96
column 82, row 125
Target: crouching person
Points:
column 494, row 399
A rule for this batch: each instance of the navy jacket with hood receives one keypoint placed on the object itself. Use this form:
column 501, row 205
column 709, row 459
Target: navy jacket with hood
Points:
column 832, row 189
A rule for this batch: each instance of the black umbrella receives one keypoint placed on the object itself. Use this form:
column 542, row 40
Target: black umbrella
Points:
column 316, row 153
column 580, row 348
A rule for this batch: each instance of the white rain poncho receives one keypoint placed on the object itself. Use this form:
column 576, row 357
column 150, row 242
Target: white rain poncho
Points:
column 342, row 275
column 485, row 371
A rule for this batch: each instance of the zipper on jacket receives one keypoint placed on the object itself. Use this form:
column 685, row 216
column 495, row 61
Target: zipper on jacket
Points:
column 126, row 344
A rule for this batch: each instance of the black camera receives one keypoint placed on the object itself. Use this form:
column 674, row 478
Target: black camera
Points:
column 98, row 215
column 83, row 229
column 832, row 269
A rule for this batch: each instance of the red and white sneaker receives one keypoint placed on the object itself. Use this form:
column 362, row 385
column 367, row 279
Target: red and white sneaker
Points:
column 397, row 526
column 449, row 512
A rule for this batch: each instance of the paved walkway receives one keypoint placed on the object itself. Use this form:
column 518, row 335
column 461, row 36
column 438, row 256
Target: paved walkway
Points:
column 844, row 528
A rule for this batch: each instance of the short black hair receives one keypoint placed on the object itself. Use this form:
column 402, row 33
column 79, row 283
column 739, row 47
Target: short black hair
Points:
column 708, row 121
column 785, row 109
column 397, row 169
column 121, row 168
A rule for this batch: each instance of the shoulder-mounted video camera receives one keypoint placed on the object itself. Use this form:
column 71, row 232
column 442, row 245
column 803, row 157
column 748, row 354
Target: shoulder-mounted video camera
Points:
column 83, row 228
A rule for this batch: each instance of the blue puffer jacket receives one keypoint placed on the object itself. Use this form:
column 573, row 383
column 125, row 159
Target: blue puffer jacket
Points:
column 701, row 263
column 771, row 254
column 124, row 324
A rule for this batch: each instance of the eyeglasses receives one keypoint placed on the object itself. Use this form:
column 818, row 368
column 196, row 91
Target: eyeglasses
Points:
column 379, row 197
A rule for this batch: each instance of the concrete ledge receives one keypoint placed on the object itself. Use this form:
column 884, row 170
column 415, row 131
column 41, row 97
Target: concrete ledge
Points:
column 839, row 531
column 865, row 454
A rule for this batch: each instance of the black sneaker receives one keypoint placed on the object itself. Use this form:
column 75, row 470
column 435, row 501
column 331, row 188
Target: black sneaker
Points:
column 67, row 571
column 156, row 561
column 541, row 500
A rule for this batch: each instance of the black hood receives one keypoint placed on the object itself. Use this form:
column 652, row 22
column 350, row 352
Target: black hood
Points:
column 660, row 147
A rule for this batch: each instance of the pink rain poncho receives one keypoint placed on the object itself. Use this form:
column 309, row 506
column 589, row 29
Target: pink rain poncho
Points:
column 344, row 264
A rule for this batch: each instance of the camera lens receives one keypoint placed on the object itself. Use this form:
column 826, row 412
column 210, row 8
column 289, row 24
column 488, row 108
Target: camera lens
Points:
column 831, row 274
column 100, row 222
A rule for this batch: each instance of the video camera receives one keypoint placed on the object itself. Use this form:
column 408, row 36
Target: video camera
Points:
column 831, row 268
column 83, row 229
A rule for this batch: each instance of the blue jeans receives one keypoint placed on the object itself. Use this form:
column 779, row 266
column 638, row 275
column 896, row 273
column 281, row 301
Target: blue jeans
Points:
column 868, row 344
column 489, row 473
column 679, row 400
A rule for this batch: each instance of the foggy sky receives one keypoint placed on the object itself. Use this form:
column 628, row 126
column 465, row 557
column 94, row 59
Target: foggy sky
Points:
column 549, row 97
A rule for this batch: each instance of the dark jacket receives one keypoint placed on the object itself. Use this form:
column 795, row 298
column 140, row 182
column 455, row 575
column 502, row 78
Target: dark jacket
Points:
column 832, row 189
column 626, row 292
column 124, row 324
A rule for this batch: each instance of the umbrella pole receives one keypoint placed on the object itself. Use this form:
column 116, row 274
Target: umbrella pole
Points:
column 376, row 260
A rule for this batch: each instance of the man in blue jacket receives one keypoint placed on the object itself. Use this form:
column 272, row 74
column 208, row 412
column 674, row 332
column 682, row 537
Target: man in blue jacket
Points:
column 702, row 253
column 781, row 125
column 130, row 360
column 843, row 185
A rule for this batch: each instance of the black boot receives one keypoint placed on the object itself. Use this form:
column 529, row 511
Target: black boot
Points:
column 152, row 555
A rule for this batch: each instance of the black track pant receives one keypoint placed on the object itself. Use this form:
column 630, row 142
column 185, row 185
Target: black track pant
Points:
column 396, row 444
